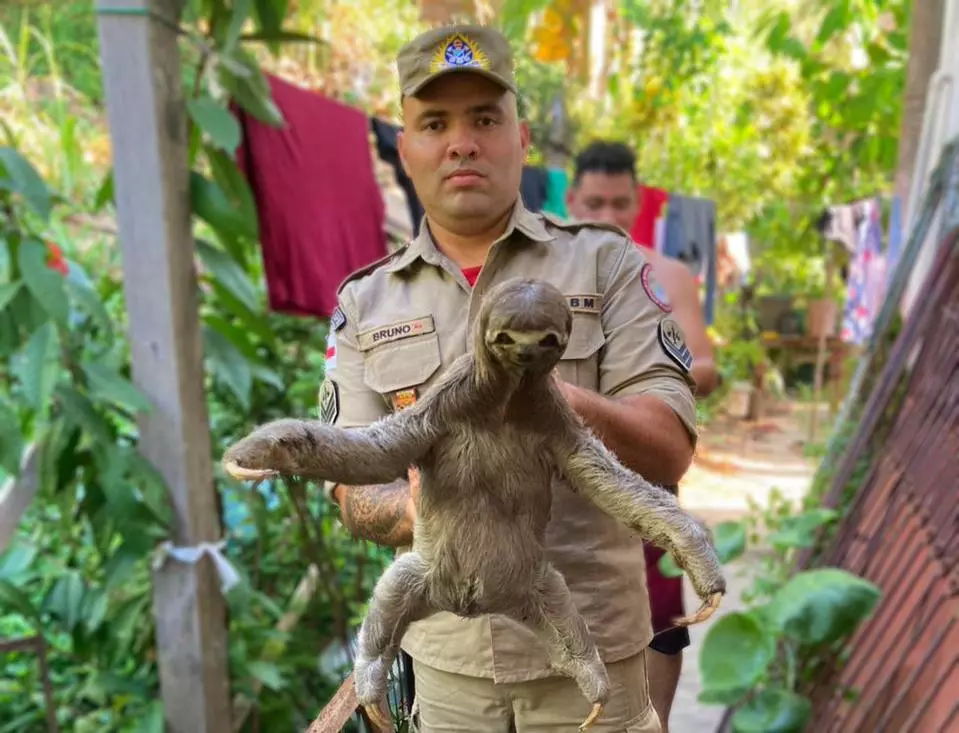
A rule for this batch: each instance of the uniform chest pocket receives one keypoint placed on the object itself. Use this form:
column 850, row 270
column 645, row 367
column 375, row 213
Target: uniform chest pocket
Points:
column 580, row 362
column 400, row 355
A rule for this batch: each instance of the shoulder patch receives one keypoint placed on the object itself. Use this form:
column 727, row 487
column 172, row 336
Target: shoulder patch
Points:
column 574, row 225
column 654, row 289
column 366, row 270
column 338, row 319
column 329, row 401
column 673, row 341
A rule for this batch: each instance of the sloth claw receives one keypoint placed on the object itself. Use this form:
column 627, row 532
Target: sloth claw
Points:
column 375, row 714
column 704, row 612
column 247, row 474
column 593, row 715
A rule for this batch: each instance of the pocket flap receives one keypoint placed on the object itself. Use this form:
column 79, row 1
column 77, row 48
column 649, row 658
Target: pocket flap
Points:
column 586, row 336
column 403, row 363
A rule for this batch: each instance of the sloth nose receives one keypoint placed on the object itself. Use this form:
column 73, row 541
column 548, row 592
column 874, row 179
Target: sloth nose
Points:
column 528, row 352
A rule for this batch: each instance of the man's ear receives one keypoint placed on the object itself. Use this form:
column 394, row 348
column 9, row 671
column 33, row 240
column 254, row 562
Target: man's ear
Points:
column 524, row 137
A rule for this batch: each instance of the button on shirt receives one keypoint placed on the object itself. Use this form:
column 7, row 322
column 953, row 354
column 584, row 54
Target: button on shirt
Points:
column 409, row 316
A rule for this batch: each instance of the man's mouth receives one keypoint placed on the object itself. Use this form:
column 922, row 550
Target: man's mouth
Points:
column 464, row 176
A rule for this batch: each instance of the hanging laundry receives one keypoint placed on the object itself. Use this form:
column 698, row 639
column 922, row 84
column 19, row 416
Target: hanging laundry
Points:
column 865, row 284
column 651, row 203
column 321, row 211
column 840, row 225
column 557, row 184
column 534, row 187
column 894, row 248
column 399, row 222
column 388, row 151
column 691, row 238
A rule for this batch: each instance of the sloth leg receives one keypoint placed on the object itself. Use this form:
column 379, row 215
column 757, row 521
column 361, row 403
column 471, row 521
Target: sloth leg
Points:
column 651, row 511
column 399, row 599
column 572, row 651
column 376, row 454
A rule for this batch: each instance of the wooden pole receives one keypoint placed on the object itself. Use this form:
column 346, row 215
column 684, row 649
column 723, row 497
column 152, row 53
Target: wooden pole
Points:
column 821, row 347
column 148, row 130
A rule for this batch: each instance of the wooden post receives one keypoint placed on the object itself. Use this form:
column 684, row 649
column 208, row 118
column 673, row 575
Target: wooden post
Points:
column 147, row 117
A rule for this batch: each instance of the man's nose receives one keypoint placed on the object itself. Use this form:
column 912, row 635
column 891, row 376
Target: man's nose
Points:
column 463, row 146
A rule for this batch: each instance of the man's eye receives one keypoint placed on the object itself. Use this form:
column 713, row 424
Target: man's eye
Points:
column 434, row 126
column 486, row 121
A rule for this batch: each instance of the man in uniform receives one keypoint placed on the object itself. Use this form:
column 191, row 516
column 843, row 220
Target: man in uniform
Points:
column 605, row 189
column 402, row 320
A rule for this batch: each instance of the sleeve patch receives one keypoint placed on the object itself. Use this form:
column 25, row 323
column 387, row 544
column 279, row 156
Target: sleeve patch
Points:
column 329, row 401
column 338, row 319
column 673, row 341
column 654, row 289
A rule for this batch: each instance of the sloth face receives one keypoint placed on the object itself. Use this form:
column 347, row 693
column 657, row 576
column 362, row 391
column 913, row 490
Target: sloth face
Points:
column 527, row 324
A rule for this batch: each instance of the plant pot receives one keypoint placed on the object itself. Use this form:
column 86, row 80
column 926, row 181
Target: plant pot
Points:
column 821, row 317
column 769, row 309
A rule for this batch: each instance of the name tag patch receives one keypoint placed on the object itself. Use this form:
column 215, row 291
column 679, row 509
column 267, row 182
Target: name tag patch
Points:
column 588, row 303
column 394, row 332
column 673, row 341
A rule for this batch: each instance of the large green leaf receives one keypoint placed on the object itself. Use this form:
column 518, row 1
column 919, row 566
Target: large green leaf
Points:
column 822, row 606
column 242, row 77
column 800, row 530
column 107, row 384
column 46, row 285
column 730, row 540
column 735, row 654
column 225, row 269
column 19, row 175
column 239, row 16
column 40, row 367
column 65, row 599
column 89, row 302
column 217, row 122
column 82, row 413
column 13, row 599
column 228, row 365
column 152, row 720
column 11, row 440
column 211, row 204
column 267, row 673
column 16, row 561
column 773, row 710
column 8, row 292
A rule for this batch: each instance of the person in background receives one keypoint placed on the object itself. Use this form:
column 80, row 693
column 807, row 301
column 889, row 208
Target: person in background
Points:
column 605, row 188
column 402, row 320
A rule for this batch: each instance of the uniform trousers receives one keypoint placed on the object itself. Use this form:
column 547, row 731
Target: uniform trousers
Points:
column 454, row 703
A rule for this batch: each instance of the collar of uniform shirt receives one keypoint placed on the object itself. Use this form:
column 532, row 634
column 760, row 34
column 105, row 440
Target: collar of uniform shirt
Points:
column 423, row 247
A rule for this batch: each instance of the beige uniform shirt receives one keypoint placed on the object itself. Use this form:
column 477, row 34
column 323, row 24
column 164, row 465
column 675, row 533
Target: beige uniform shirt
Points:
column 407, row 317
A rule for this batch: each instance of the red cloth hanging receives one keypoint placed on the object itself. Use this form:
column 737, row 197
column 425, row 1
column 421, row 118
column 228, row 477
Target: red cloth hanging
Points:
column 321, row 211
column 651, row 203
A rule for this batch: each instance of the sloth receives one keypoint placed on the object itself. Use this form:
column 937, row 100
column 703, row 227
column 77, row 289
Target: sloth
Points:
column 488, row 438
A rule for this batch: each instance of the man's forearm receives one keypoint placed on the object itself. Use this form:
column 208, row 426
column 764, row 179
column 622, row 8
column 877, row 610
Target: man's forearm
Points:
column 377, row 513
column 706, row 376
column 642, row 430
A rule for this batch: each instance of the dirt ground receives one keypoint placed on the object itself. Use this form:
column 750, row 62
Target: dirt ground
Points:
column 736, row 460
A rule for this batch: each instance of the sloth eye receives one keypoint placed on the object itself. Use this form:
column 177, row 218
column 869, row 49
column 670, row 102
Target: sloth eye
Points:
column 503, row 338
column 549, row 340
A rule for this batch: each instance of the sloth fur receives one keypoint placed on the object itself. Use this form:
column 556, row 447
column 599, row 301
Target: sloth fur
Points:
column 489, row 437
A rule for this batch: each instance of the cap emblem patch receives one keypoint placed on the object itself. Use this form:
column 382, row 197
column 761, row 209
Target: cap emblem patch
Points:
column 457, row 52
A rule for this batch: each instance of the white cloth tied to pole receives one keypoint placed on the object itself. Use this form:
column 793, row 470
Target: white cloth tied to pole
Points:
column 229, row 577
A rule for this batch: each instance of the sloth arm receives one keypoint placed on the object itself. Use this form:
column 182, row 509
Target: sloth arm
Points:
column 378, row 453
column 651, row 511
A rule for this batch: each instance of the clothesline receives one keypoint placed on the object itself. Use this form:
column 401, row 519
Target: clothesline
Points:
column 332, row 197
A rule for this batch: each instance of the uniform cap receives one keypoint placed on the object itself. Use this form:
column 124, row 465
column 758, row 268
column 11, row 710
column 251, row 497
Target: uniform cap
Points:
column 478, row 49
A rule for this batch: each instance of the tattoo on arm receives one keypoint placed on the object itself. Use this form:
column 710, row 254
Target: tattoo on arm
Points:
column 378, row 513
